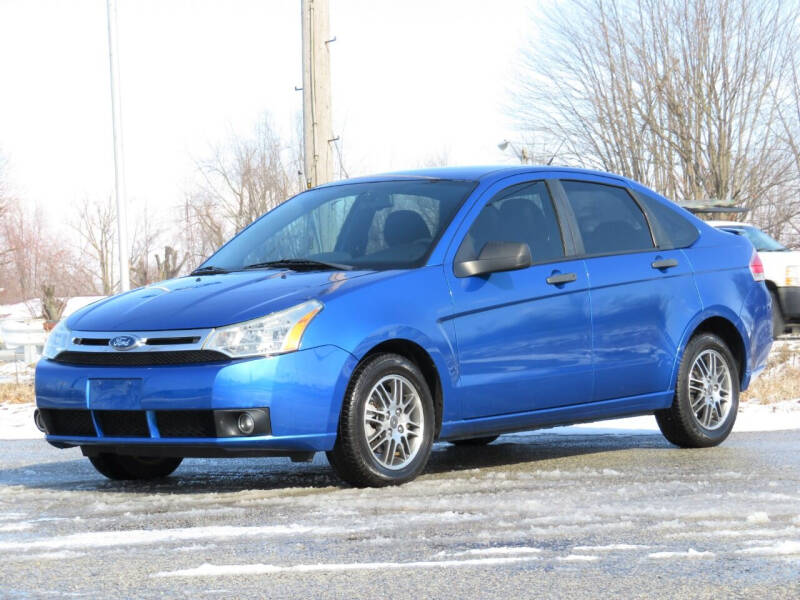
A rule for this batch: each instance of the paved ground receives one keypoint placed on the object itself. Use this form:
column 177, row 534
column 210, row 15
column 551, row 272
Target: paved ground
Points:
column 528, row 516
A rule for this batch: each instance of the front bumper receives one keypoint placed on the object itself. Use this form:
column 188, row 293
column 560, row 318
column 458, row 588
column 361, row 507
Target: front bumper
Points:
column 301, row 393
column 789, row 297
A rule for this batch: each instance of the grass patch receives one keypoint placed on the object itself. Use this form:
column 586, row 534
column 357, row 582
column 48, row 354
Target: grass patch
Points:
column 16, row 393
column 780, row 380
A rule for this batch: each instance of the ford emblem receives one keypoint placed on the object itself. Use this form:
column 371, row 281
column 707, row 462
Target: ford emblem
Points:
column 124, row 342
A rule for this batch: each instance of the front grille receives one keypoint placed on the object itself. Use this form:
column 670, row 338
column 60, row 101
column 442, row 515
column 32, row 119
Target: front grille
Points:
column 122, row 423
column 186, row 423
column 92, row 341
column 140, row 359
column 68, row 422
column 171, row 341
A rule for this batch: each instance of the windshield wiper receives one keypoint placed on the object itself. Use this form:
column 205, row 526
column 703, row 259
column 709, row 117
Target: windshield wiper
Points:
column 209, row 270
column 299, row 264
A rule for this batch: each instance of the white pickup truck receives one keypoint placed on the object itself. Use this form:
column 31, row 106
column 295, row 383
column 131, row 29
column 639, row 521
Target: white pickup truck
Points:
column 782, row 271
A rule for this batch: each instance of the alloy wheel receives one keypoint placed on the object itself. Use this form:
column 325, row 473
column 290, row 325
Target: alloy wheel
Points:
column 393, row 422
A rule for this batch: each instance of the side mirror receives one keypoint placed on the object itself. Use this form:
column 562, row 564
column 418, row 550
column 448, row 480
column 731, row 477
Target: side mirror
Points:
column 496, row 257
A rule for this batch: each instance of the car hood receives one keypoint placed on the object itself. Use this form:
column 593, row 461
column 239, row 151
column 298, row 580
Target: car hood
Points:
column 208, row 300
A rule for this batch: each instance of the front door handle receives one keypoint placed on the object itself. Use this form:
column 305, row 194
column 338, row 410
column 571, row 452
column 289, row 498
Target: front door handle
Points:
column 664, row 263
column 561, row 278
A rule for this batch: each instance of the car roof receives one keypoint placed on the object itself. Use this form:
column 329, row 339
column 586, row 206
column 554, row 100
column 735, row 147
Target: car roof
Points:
column 476, row 173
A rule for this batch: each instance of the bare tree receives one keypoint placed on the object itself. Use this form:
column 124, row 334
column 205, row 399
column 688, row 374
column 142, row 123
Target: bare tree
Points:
column 34, row 256
column 3, row 188
column 143, row 243
column 784, row 216
column 5, row 206
column 242, row 180
column 96, row 228
column 678, row 94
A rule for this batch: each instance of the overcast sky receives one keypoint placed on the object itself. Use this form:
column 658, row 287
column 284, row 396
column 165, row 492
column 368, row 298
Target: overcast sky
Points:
column 411, row 80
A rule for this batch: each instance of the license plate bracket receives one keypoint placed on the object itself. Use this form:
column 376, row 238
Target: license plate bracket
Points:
column 114, row 394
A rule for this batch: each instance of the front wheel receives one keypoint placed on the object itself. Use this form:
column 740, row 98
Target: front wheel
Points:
column 122, row 467
column 706, row 397
column 386, row 425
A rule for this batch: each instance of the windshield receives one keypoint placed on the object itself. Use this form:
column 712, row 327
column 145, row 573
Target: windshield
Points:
column 760, row 240
column 379, row 225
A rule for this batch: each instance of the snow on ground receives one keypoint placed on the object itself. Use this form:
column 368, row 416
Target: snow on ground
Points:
column 690, row 553
column 31, row 309
column 209, row 570
column 105, row 539
column 16, row 372
column 16, row 422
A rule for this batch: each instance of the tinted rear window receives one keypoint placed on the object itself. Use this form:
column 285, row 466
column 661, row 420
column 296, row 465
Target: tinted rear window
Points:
column 608, row 218
column 673, row 230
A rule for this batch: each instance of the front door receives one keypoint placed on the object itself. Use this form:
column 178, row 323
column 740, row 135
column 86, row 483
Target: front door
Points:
column 524, row 337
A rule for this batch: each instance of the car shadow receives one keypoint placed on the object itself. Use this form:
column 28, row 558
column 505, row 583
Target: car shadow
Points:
column 200, row 476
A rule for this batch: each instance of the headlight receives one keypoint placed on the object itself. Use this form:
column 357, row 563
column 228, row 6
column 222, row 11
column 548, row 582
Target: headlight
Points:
column 793, row 275
column 57, row 341
column 274, row 334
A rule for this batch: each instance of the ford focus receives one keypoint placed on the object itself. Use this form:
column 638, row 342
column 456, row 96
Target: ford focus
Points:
column 372, row 317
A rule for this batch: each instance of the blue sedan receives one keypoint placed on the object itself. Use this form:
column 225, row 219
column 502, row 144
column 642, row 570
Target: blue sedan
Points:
column 370, row 318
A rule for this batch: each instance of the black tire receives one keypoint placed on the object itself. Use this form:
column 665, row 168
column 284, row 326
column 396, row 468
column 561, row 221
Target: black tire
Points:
column 678, row 423
column 351, row 457
column 778, row 323
column 478, row 441
column 122, row 467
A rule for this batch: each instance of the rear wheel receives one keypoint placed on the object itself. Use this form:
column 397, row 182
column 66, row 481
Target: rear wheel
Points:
column 478, row 441
column 386, row 424
column 122, row 467
column 778, row 324
column 706, row 397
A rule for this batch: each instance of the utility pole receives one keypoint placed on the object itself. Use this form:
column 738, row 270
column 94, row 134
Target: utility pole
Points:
column 119, row 159
column 317, row 129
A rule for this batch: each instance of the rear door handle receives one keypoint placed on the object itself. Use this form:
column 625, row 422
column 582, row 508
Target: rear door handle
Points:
column 561, row 278
column 665, row 263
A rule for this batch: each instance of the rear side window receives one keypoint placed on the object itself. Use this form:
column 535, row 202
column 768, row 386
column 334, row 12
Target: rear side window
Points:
column 522, row 213
column 673, row 230
column 608, row 218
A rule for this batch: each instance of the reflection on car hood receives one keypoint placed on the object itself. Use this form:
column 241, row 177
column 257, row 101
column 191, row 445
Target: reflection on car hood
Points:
column 207, row 301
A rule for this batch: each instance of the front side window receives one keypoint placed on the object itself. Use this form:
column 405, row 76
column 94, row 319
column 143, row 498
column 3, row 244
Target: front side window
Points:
column 522, row 213
column 608, row 218
column 378, row 225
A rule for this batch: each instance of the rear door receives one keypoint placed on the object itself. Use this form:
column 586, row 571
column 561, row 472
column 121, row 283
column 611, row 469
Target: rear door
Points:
column 642, row 292
column 524, row 338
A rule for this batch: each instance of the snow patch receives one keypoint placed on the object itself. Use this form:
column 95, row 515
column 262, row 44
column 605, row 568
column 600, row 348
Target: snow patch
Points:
column 498, row 550
column 15, row 527
column 578, row 558
column 61, row 555
column 209, row 570
column 105, row 539
column 610, row 548
column 16, row 422
column 758, row 517
column 691, row 553
column 783, row 548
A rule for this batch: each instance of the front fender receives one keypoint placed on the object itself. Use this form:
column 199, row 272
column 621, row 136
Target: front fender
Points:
column 412, row 305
